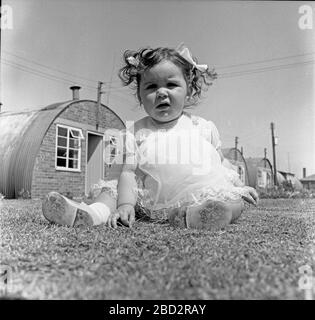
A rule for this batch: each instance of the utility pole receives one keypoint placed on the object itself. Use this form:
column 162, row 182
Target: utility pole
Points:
column 265, row 155
column 272, row 126
column 235, row 153
column 99, row 94
column 289, row 167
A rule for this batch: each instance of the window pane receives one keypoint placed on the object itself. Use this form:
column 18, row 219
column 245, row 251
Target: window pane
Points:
column 62, row 142
column 74, row 133
column 61, row 162
column 73, row 154
column 61, row 152
column 62, row 131
column 73, row 164
column 113, row 141
column 74, row 143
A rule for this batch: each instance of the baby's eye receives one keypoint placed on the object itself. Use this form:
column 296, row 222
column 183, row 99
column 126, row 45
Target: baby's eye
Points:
column 172, row 84
column 151, row 86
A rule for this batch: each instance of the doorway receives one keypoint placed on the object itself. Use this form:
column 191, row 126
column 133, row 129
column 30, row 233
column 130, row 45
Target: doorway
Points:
column 94, row 160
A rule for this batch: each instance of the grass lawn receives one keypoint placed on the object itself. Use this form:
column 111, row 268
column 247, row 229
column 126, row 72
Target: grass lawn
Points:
column 256, row 258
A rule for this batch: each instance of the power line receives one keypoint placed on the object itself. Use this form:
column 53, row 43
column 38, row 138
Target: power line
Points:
column 265, row 60
column 54, row 69
column 259, row 70
column 49, row 75
column 251, row 71
column 26, row 68
column 123, row 98
column 47, row 67
column 38, row 73
column 111, row 89
column 224, row 75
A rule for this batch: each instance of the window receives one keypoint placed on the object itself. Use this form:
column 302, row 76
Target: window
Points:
column 241, row 173
column 261, row 178
column 112, row 150
column 68, row 148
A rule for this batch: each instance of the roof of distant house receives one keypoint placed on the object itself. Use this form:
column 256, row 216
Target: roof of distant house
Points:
column 309, row 178
column 286, row 173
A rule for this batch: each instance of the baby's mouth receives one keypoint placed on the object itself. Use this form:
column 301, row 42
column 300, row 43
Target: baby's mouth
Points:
column 163, row 106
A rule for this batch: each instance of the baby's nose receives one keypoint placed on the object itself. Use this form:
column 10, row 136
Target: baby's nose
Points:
column 161, row 93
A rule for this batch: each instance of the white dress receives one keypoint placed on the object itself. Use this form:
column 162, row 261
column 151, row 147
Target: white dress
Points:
column 179, row 163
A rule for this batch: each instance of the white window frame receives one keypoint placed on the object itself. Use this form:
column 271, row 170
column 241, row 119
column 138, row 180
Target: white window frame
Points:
column 261, row 178
column 112, row 142
column 242, row 175
column 80, row 138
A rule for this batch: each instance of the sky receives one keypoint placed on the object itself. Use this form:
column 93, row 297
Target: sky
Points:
column 264, row 59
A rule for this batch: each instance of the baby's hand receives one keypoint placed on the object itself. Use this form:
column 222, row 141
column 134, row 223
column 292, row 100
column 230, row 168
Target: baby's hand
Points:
column 112, row 219
column 126, row 214
column 250, row 195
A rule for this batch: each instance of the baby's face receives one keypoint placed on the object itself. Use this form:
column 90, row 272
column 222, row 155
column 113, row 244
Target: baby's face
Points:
column 163, row 91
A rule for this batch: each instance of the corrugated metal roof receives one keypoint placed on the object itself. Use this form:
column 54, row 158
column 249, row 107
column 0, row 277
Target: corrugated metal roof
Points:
column 12, row 128
column 280, row 177
column 229, row 153
column 252, row 165
column 21, row 135
column 259, row 162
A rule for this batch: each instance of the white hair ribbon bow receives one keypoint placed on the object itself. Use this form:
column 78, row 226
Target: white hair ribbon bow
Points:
column 184, row 52
column 133, row 61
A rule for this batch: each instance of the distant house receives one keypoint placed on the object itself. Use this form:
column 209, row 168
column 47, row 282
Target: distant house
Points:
column 260, row 174
column 283, row 176
column 280, row 178
column 57, row 148
column 309, row 182
column 236, row 162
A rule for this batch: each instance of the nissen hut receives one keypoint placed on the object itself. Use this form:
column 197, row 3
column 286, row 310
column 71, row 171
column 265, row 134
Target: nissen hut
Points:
column 288, row 177
column 57, row 148
column 260, row 174
column 237, row 163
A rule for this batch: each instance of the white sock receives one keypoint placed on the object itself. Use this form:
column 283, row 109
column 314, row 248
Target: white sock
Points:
column 100, row 212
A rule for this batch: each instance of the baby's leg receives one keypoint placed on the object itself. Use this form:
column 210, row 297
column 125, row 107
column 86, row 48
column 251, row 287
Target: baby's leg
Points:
column 210, row 215
column 237, row 209
column 63, row 211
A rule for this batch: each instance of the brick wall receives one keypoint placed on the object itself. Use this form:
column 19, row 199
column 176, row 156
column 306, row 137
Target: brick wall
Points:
column 45, row 177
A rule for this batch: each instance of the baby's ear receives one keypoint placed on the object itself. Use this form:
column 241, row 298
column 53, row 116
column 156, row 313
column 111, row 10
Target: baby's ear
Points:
column 188, row 97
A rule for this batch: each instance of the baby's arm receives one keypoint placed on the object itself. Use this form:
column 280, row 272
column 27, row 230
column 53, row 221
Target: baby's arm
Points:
column 249, row 194
column 127, row 195
column 127, row 184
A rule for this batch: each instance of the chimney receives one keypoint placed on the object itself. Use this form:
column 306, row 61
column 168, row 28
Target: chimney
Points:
column 75, row 92
column 304, row 172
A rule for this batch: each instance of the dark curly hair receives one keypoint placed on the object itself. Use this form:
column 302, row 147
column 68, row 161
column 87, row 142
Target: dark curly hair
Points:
column 137, row 62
